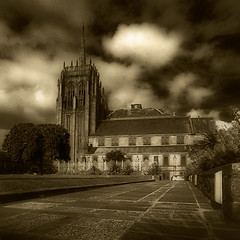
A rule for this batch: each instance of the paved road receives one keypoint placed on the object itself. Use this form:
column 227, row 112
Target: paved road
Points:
column 153, row 210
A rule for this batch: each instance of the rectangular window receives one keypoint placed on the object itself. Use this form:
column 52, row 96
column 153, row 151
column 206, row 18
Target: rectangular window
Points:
column 101, row 142
column 132, row 141
column 165, row 161
column 68, row 123
column 114, row 141
column 183, row 161
column 165, row 140
column 180, row 139
column 155, row 160
column 146, row 141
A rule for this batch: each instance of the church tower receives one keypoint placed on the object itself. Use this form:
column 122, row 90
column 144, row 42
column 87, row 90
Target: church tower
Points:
column 80, row 102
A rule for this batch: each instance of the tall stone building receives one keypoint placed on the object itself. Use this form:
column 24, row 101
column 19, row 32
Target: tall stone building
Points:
column 146, row 136
column 80, row 102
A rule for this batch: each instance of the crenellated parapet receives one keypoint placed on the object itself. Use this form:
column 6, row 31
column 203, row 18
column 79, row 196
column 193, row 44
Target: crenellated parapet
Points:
column 76, row 70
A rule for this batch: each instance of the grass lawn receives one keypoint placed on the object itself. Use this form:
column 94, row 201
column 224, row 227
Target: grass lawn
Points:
column 27, row 183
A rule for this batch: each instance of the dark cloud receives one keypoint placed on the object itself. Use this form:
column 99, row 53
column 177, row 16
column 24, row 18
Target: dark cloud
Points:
column 229, row 42
column 202, row 11
column 38, row 35
column 9, row 118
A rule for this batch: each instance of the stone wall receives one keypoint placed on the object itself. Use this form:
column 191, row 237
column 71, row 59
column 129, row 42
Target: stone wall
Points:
column 222, row 186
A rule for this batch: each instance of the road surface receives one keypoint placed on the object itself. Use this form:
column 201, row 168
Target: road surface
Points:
column 153, row 210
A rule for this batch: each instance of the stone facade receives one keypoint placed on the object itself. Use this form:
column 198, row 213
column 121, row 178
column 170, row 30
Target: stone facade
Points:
column 146, row 136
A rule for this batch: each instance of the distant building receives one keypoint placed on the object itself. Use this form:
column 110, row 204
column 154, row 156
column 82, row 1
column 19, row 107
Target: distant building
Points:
column 146, row 136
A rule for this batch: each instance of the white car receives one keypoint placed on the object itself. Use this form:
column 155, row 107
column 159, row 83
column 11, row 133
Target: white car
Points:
column 177, row 178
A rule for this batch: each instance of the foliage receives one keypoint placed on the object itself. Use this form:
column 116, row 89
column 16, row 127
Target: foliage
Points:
column 94, row 171
column 215, row 149
column 55, row 142
column 30, row 145
column 115, row 156
column 127, row 169
column 22, row 144
column 114, row 168
column 154, row 170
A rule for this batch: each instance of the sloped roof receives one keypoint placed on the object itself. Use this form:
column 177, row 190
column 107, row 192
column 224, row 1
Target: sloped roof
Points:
column 129, row 113
column 142, row 149
column 171, row 125
column 203, row 124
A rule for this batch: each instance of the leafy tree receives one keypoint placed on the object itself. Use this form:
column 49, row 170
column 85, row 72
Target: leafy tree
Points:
column 115, row 157
column 55, row 143
column 215, row 149
column 32, row 154
column 29, row 145
column 20, row 145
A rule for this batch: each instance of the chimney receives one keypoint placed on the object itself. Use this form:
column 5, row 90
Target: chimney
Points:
column 136, row 106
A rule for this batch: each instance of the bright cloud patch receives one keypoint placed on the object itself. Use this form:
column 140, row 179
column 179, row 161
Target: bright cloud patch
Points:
column 200, row 113
column 145, row 43
column 223, row 125
column 120, row 83
column 180, row 83
column 185, row 84
column 28, row 87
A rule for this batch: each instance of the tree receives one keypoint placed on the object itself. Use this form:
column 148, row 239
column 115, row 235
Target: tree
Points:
column 21, row 144
column 114, row 157
column 29, row 145
column 215, row 149
column 55, row 142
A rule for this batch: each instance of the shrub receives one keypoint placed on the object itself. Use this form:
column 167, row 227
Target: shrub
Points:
column 154, row 170
column 95, row 171
column 127, row 170
column 114, row 168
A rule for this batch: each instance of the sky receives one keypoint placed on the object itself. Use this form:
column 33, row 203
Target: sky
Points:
column 180, row 55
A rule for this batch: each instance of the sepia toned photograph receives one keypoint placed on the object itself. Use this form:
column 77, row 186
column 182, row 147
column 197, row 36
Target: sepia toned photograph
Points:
column 119, row 120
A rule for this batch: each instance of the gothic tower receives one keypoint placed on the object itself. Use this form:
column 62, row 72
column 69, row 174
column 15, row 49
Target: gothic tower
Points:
column 80, row 102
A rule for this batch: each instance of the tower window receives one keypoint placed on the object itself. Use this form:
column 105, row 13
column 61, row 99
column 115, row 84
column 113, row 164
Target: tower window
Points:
column 93, row 86
column 68, row 123
column 82, row 93
column 70, row 94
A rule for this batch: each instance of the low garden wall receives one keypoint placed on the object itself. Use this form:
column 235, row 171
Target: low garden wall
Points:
column 222, row 186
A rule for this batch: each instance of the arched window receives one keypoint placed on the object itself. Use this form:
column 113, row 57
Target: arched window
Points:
column 82, row 93
column 70, row 94
column 93, row 86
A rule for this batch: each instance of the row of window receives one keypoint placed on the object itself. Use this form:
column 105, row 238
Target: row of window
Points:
column 81, row 93
column 132, row 141
column 166, row 161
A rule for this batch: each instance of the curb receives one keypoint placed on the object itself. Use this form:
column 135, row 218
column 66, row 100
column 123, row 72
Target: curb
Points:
column 15, row 197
